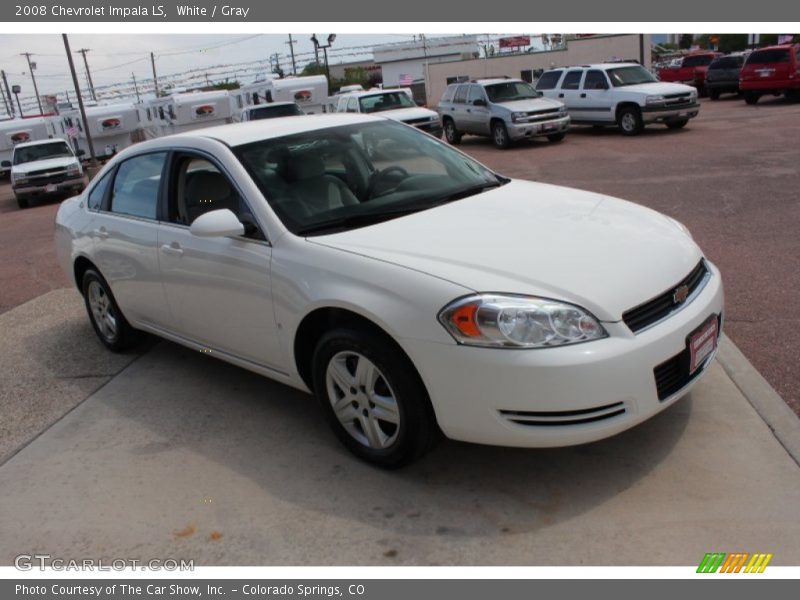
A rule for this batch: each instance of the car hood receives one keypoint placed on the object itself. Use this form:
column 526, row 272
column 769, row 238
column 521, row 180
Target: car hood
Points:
column 406, row 114
column 43, row 165
column 528, row 105
column 657, row 87
column 604, row 254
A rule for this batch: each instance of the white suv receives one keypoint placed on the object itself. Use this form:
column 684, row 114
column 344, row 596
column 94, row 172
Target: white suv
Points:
column 45, row 167
column 623, row 94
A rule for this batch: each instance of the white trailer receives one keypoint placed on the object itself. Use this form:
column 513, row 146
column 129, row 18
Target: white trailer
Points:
column 194, row 110
column 19, row 131
column 310, row 93
column 113, row 127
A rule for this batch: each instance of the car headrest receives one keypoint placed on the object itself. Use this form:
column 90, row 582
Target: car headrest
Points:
column 306, row 166
column 207, row 186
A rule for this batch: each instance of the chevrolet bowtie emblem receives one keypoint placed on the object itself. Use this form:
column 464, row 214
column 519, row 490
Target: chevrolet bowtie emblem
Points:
column 680, row 294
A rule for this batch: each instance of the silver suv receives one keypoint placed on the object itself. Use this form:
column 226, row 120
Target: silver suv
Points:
column 504, row 109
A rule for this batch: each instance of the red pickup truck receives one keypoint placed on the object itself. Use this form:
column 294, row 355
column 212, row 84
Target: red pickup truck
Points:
column 774, row 70
column 691, row 71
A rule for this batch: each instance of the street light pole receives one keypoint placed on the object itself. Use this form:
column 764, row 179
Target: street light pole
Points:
column 324, row 47
column 33, row 78
column 80, row 102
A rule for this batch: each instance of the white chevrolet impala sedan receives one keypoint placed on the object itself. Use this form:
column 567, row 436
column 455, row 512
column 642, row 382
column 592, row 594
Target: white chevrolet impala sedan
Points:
column 412, row 290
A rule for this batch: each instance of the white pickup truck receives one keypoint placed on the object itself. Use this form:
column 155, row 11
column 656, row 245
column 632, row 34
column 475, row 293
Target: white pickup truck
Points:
column 625, row 95
column 43, row 168
column 396, row 104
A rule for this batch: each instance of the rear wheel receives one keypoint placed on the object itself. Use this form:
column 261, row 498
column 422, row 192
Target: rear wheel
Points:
column 500, row 135
column 450, row 133
column 22, row 202
column 750, row 97
column 677, row 124
column 107, row 320
column 630, row 120
column 373, row 398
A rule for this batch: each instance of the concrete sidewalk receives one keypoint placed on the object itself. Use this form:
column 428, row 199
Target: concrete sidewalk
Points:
column 183, row 456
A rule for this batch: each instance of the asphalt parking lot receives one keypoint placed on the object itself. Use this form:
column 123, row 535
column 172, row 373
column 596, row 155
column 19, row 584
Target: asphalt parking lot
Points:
column 175, row 454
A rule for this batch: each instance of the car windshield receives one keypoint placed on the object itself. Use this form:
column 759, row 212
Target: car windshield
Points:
column 340, row 178
column 41, row 152
column 510, row 91
column 633, row 75
column 270, row 112
column 386, row 101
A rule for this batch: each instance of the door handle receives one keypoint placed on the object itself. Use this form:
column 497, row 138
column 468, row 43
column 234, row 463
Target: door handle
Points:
column 468, row 110
column 174, row 249
column 101, row 233
column 583, row 95
column 561, row 95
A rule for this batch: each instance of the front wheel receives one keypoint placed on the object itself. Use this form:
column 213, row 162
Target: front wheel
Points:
column 373, row 398
column 22, row 202
column 500, row 135
column 109, row 324
column 630, row 121
column 450, row 133
column 677, row 124
column 556, row 137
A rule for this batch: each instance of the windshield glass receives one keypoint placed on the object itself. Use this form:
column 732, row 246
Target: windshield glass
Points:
column 345, row 177
column 386, row 101
column 632, row 75
column 270, row 112
column 511, row 90
column 41, row 152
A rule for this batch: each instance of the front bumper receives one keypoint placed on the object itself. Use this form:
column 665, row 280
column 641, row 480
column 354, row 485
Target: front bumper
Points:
column 660, row 114
column 434, row 128
column 75, row 184
column 517, row 131
column 473, row 390
column 769, row 85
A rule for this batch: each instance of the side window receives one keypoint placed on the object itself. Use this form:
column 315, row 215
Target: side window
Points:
column 595, row 80
column 136, row 186
column 149, row 114
column 475, row 93
column 448, row 93
column 461, row 94
column 571, row 80
column 171, row 110
column 199, row 187
column 548, row 80
column 352, row 105
column 98, row 192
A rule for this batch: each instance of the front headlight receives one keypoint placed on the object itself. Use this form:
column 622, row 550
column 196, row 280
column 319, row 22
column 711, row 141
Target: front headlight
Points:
column 17, row 179
column 518, row 116
column 655, row 99
column 508, row 321
column 562, row 110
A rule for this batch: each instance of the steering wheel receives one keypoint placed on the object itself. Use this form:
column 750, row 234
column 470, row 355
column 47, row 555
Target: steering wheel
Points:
column 378, row 175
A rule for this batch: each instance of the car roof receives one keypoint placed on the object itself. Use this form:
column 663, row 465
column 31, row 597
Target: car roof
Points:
column 777, row 47
column 39, row 142
column 254, row 131
column 601, row 66
column 362, row 93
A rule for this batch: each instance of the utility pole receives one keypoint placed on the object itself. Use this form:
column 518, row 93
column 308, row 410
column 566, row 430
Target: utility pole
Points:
column 80, row 102
column 136, row 88
column 83, row 51
column 7, row 92
column 31, row 67
column 155, row 79
column 291, row 43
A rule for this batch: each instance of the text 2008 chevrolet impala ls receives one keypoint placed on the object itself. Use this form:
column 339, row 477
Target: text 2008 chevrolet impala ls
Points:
column 410, row 288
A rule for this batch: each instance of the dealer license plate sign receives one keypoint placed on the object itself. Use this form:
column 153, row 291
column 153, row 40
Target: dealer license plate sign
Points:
column 50, row 188
column 703, row 343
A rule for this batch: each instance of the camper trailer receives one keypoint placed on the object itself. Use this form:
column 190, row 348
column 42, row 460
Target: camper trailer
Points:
column 113, row 127
column 18, row 131
column 310, row 93
column 194, row 110
column 158, row 116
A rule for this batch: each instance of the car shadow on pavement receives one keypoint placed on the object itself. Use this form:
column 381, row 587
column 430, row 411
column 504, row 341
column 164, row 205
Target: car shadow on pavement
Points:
column 276, row 437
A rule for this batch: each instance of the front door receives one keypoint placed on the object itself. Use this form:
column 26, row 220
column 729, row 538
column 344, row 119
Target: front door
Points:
column 218, row 288
column 594, row 102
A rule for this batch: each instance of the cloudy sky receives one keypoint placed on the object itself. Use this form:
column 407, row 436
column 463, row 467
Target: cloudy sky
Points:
column 113, row 58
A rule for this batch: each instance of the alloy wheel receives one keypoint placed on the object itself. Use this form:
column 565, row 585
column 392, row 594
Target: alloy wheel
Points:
column 102, row 311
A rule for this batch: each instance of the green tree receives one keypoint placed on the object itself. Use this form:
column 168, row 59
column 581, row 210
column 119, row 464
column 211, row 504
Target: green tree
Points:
column 685, row 41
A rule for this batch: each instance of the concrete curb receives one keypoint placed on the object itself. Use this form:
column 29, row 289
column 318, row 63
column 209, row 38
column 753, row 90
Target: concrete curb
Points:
column 781, row 420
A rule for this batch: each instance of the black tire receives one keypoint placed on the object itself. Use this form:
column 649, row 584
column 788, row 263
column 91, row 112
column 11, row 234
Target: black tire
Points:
column 751, row 97
column 414, row 434
column 124, row 336
column 630, row 120
column 451, row 134
column 22, row 202
column 500, row 135
column 677, row 124
column 713, row 94
column 556, row 137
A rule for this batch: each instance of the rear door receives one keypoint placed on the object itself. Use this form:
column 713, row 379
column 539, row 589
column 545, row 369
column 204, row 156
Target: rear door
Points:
column 476, row 117
column 458, row 107
column 569, row 91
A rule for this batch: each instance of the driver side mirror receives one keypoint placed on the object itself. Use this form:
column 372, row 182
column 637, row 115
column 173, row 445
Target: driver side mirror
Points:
column 217, row 223
column 479, row 102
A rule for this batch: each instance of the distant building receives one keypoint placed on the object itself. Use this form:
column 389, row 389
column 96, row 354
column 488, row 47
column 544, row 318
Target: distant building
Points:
column 340, row 70
column 404, row 63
